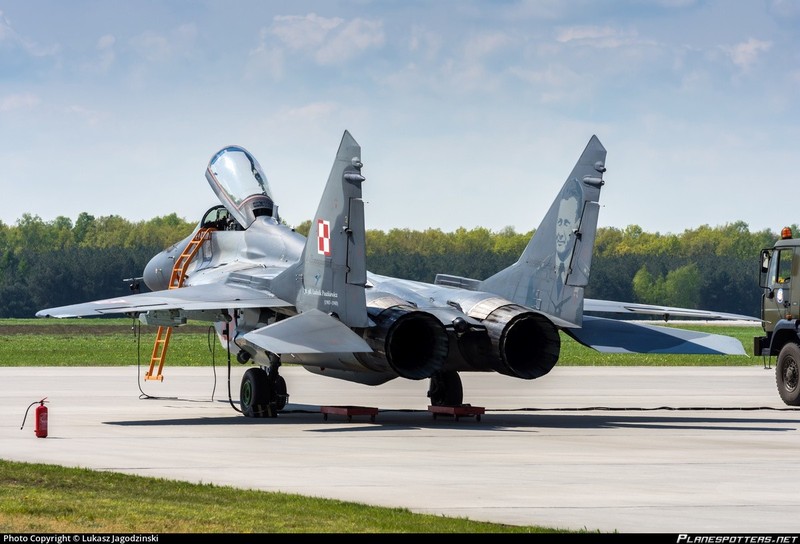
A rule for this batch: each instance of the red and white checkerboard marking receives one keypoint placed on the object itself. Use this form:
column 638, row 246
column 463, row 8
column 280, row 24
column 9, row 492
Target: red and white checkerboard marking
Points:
column 324, row 237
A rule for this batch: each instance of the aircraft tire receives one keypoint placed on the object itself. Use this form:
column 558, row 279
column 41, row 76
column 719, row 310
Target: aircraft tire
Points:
column 787, row 374
column 446, row 389
column 254, row 393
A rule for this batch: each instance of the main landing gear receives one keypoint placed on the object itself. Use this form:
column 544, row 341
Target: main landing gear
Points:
column 446, row 389
column 263, row 392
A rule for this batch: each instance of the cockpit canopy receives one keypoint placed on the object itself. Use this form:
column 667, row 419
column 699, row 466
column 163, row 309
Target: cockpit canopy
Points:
column 240, row 184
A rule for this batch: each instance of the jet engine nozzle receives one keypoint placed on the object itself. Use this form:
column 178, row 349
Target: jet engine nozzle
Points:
column 414, row 343
column 526, row 342
column 514, row 340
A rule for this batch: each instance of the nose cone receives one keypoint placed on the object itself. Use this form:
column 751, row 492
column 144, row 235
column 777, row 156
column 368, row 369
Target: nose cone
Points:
column 156, row 278
column 158, row 271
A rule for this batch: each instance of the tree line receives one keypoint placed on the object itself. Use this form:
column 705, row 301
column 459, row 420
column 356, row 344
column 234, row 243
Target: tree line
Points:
column 54, row 263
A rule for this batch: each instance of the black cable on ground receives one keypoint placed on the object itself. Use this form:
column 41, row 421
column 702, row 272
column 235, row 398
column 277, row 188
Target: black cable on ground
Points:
column 228, row 349
column 640, row 409
column 212, row 347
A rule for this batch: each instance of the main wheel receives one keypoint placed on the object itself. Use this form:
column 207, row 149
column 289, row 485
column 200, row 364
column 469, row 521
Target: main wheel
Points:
column 787, row 374
column 279, row 393
column 254, row 394
column 445, row 389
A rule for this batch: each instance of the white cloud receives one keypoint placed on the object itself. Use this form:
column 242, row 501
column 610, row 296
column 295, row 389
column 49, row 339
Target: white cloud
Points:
column 328, row 40
column 265, row 60
column 311, row 112
column 745, row 54
column 417, row 77
column 486, row 44
column 424, row 41
column 306, row 33
column 13, row 102
column 695, row 81
column 354, row 38
column 551, row 76
column 106, row 53
column 6, row 32
column 9, row 35
column 676, row 3
column 538, row 9
column 785, row 8
column 599, row 36
column 178, row 43
column 88, row 116
column 106, row 42
column 574, row 33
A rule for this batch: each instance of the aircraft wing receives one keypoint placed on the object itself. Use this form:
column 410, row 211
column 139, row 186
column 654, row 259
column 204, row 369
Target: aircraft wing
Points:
column 616, row 336
column 211, row 296
column 613, row 307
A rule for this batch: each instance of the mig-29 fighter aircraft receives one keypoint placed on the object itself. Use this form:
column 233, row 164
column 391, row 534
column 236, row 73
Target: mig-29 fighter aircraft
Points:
column 276, row 297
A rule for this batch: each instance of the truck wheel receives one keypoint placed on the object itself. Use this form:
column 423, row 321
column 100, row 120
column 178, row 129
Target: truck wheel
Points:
column 787, row 374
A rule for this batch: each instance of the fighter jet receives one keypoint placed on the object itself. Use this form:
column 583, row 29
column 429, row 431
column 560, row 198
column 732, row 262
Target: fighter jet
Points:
column 276, row 297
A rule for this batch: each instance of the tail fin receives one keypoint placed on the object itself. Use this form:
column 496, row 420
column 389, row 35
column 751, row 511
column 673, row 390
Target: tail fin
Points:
column 554, row 268
column 332, row 272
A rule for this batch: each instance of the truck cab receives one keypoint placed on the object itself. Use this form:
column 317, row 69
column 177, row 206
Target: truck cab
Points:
column 780, row 313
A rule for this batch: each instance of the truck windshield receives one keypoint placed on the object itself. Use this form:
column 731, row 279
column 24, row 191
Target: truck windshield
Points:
column 782, row 271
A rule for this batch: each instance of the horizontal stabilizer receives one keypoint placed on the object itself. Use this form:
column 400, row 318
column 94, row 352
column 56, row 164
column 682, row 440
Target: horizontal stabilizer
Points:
column 613, row 307
column 195, row 297
column 614, row 336
column 312, row 331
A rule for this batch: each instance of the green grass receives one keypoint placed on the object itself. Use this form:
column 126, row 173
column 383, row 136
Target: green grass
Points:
column 120, row 342
column 100, row 342
column 51, row 499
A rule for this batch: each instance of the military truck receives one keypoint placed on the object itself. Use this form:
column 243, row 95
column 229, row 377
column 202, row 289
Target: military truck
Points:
column 780, row 313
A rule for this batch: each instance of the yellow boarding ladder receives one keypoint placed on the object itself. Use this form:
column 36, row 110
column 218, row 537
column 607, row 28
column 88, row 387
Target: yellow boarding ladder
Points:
column 176, row 280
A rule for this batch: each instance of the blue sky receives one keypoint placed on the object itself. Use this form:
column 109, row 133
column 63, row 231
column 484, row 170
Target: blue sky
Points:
column 469, row 113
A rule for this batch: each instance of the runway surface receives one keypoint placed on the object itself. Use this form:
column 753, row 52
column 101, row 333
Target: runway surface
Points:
column 663, row 450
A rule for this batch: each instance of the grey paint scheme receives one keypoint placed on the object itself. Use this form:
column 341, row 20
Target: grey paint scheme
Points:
column 273, row 295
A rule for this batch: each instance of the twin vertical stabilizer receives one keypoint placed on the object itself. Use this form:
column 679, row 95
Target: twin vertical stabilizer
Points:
column 331, row 274
column 552, row 272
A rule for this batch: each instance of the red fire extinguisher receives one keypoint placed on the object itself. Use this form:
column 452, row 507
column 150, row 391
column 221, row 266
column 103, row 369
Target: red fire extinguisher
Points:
column 40, row 425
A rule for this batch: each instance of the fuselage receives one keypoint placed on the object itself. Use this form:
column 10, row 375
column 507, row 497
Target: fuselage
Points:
column 266, row 245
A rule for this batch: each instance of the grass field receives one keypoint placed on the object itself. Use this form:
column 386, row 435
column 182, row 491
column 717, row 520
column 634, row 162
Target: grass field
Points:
column 37, row 498
column 116, row 342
